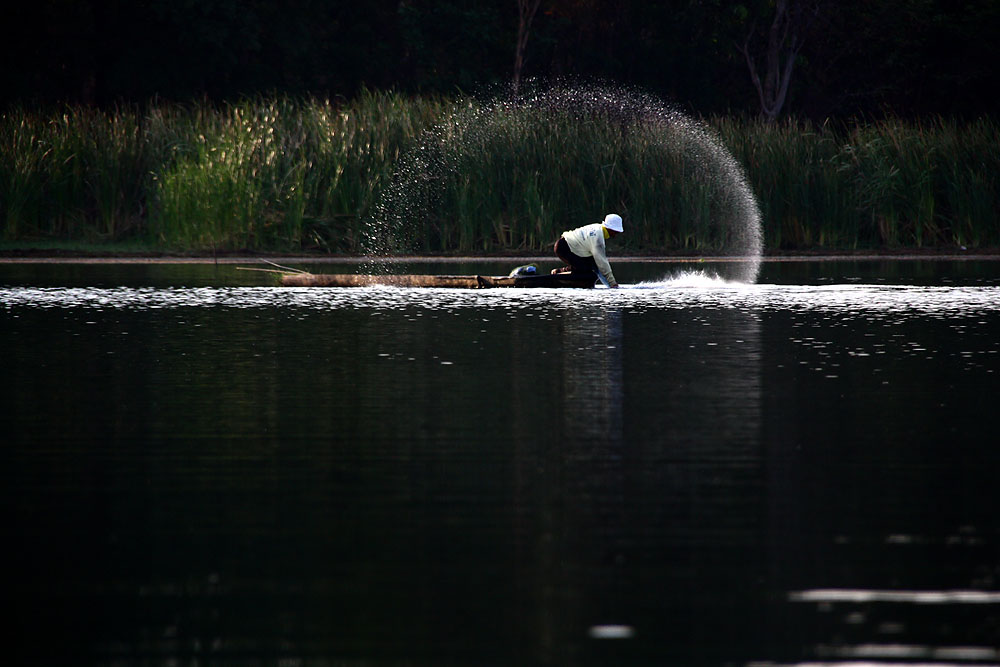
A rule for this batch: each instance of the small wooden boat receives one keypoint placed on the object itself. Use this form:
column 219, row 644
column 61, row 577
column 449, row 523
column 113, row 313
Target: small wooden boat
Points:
column 416, row 280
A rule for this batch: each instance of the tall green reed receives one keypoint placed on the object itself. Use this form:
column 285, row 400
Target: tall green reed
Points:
column 886, row 183
column 968, row 181
column 516, row 176
column 794, row 172
column 301, row 173
column 79, row 173
column 285, row 173
column 259, row 174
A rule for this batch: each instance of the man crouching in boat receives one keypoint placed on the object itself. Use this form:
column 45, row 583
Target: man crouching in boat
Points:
column 584, row 252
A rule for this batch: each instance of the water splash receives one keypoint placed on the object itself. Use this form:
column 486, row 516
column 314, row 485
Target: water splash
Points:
column 517, row 171
column 699, row 279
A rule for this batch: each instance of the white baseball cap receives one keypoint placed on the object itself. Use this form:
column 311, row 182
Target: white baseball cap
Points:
column 613, row 221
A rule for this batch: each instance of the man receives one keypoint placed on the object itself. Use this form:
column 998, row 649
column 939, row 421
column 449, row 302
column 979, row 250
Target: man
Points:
column 583, row 249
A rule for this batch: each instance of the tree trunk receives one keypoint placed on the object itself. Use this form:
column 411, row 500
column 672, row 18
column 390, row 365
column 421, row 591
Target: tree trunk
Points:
column 526, row 10
column 784, row 41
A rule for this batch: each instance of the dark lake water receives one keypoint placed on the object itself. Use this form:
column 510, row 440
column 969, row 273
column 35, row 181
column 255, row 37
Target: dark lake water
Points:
column 202, row 469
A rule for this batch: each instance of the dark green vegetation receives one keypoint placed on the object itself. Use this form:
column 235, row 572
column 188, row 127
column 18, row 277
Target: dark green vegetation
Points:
column 883, row 184
column 261, row 174
column 302, row 174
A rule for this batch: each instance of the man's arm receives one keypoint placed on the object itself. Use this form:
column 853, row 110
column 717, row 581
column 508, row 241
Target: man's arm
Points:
column 601, row 258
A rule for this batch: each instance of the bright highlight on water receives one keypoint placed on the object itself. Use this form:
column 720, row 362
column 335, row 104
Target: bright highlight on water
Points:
column 685, row 291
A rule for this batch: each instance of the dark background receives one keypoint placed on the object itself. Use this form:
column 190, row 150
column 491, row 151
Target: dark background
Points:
column 858, row 57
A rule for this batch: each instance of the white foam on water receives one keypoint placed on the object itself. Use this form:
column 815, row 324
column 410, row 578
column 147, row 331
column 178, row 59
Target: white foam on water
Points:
column 866, row 663
column 700, row 279
column 611, row 632
column 915, row 597
column 899, row 302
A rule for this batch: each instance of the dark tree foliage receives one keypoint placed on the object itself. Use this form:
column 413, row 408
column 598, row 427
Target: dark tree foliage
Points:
column 907, row 57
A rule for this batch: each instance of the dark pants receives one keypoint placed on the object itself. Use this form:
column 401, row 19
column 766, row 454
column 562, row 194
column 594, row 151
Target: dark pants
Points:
column 582, row 266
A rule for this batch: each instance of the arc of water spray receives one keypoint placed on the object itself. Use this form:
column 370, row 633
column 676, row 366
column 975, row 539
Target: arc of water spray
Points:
column 707, row 168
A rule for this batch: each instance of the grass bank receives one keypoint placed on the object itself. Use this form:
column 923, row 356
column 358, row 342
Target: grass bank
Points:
column 886, row 184
column 263, row 174
column 292, row 175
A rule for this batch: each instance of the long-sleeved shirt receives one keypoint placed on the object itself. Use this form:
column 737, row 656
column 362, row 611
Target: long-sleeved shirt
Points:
column 588, row 241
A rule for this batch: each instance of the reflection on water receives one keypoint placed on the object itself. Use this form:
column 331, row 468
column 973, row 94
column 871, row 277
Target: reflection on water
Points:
column 592, row 381
column 574, row 490
column 682, row 472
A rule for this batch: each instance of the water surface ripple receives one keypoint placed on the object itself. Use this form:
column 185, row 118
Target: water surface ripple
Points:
column 685, row 471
